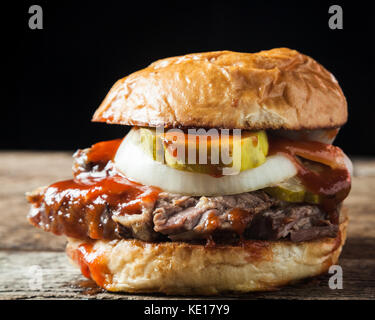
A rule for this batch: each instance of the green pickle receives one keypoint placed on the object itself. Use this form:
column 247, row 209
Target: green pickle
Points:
column 252, row 146
column 148, row 142
column 312, row 198
column 292, row 190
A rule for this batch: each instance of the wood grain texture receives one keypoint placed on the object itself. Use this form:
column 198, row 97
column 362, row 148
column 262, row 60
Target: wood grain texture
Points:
column 25, row 250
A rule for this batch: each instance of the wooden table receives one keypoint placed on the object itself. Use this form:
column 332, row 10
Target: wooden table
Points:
column 33, row 264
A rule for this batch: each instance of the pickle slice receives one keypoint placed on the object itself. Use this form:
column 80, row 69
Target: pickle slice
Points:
column 292, row 190
column 148, row 142
column 238, row 153
column 254, row 149
column 312, row 198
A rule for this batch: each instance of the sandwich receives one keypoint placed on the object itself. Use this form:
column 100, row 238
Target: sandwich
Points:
column 227, row 181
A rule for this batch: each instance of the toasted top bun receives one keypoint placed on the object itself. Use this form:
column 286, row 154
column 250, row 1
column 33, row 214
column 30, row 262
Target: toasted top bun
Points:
column 275, row 89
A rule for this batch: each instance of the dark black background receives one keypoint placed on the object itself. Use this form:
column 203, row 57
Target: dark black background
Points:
column 59, row 75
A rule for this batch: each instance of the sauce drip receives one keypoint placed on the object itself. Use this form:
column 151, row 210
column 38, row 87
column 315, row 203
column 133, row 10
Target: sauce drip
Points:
column 332, row 182
column 82, row 207
column 92, row 263
column 239, row 220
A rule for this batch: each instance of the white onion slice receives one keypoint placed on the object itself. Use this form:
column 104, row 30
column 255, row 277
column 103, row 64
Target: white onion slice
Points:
column 134, row 163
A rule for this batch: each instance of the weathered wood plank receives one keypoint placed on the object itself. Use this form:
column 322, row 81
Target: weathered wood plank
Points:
column 49, row 275
column 21, row 172
column 364, row 167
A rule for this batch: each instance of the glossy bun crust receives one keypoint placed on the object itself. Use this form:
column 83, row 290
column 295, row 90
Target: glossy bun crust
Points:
column 182, row 268
column 274, row 89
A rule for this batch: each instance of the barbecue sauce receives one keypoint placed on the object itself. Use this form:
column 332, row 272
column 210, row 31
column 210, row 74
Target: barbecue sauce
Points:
column 92, row 263
column 78, row 207
column 239, row 219
column 103, row 151
column 332, row 182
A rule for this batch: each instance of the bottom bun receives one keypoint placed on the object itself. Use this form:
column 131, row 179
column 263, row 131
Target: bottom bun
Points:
column 183, row 268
